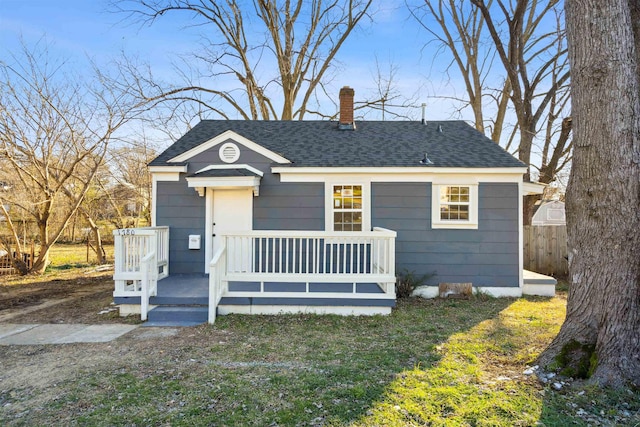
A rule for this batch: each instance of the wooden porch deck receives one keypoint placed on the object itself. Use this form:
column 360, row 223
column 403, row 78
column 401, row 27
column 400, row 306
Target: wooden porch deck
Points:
column 194, row 289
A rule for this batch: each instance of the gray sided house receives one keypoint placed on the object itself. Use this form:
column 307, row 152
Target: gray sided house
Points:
column 306, row 198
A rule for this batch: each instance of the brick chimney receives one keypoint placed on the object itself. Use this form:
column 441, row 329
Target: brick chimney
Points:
column 346, row 109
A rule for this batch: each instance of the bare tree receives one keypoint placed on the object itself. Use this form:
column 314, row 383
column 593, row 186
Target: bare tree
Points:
column 512, row 40
column 461, row 31
column 130, row 184
column 53, row 129
column 523, row 47
column 246, row 41
column 601, row 328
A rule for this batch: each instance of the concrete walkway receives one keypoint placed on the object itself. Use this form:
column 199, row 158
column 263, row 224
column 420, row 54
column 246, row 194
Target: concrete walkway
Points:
column 36, row 334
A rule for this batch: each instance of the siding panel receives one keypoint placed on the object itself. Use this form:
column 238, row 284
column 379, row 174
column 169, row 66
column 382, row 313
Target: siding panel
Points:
column 487, row 256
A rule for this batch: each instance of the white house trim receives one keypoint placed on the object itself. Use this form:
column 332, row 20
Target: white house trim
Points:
column 161, row 176
column 226, row 167
column 286, row 170
column 224, row 182
column 520, row 235
column 366, row 200
column 208, row 230
column 165, row 169
column 436, row 222
column 223, row 137
column 494, row 291
column 440, row 176
column 533, row 188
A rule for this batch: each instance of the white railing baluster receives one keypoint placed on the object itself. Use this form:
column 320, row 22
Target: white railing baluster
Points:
column 131, row 246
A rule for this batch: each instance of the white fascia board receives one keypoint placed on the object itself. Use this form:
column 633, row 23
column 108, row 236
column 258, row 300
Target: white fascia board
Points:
column 165, row 176
column 435, row 175
column 224, row 167
column 224, row 136
column 163, row 169
column 532, row 188
column 224, row 182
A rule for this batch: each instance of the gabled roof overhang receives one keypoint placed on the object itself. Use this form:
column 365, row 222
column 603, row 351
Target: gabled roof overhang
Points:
column 226, row 177
column 225, row 136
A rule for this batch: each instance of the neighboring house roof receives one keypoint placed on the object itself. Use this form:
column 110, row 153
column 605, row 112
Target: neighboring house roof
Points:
column 549, row 212
column 371, row 144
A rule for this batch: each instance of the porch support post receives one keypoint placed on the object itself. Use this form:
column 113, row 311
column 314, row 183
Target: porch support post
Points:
column 208, row 230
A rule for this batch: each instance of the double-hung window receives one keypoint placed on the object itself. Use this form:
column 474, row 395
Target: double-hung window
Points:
column 347, row 207
column 454, row 206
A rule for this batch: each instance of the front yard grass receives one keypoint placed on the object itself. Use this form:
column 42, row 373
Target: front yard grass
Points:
column 432, row 362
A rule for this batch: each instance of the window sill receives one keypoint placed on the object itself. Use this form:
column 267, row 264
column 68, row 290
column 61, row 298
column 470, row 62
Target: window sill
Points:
column 455, row 225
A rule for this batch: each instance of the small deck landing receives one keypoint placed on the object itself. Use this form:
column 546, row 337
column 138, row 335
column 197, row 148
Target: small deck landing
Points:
column 538, row 284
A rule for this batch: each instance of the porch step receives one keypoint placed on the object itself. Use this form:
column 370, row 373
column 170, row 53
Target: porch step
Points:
column 179, row 300
column 177, row 316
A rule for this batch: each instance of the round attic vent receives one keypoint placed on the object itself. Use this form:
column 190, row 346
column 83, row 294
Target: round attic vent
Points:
column 229, row 152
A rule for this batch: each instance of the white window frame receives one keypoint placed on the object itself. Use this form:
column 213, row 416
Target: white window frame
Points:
column 471, row 223
column 328, row 204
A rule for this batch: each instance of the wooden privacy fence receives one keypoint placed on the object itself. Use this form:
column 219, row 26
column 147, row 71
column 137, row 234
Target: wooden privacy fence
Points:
column 545, row 249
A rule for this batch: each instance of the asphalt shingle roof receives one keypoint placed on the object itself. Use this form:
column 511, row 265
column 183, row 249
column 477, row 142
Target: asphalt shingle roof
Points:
column 372, row 144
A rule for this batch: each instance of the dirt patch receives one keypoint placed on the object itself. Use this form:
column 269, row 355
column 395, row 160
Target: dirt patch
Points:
column 34, row 376
column 83, row 298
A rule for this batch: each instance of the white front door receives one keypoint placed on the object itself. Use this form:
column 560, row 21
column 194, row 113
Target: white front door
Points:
column 228, row 211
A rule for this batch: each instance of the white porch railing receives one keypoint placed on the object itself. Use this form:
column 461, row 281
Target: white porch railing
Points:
column 131, row 246
column 312, row 256
column 217, row 280
column 304, row 257
column 149, row 282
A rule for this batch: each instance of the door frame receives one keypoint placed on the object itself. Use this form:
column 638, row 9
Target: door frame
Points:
column 209, row 216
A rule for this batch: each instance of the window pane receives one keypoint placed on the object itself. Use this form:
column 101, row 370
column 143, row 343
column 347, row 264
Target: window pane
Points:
column 337, row 221
column 444, row 212
column 357, row 218
column 357, row 203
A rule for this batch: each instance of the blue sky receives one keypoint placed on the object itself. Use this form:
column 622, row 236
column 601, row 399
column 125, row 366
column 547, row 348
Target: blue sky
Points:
column 81, row 29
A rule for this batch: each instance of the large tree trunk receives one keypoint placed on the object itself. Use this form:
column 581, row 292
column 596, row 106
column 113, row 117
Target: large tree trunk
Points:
column 603, row 196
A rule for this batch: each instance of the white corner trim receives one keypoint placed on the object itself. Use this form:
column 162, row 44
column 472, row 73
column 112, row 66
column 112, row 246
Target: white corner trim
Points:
column 521, row 235
column 224, row 136
column 154, row 198
column 225, row 167
column 208, row 231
